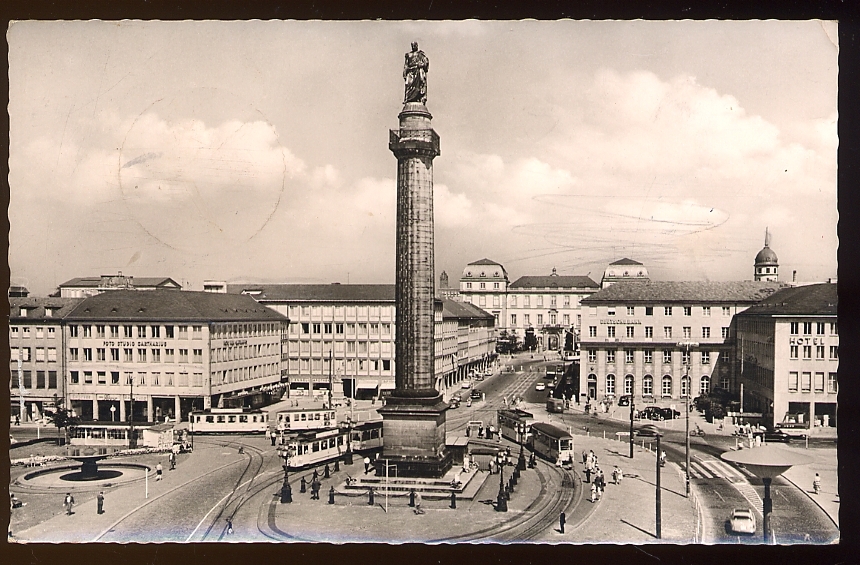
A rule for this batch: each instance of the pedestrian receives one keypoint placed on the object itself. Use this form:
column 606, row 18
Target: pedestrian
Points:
column 616, row 475
column 584, row 456
column 158, row 471
column 17, row 420
column 316, row 476
column 816, row 484
column 68, row 503
column 14, row 502
column 367, row 464
column 172, row 459
column 418, row 509
column 588, row 469
column 273, row 436
column 315, row 489
column 229, row 525
column 561, row 523
column 593, row 492
column 100, row 499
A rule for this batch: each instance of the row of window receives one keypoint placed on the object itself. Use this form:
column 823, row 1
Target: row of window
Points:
column 316, row 328
column 27, row 379
column 323, row 349
column 24, row 353
column 143, row 378
column 128, row 355
column 240, row 374
column 794, row 351
column 553, row 319
column 339, row 312
column 482, row 286
column 666, row 385
column 804, row 382
column 25, row 332
column 128, row 332
column 630, row 331
column 341, row 367
column 648, row 356
column 667, row 310
column 794, row 328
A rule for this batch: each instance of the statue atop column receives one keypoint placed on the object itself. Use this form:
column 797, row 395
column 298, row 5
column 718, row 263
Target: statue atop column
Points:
column 415, row 74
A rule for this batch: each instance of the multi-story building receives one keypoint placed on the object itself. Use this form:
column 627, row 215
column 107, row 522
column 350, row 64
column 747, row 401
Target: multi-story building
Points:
column 485, row 284
column 37, row 345
column 82, row 287
column 634, row 336
column 167, row 352
column 624, row 270
column 343, row 334
column 787, row 351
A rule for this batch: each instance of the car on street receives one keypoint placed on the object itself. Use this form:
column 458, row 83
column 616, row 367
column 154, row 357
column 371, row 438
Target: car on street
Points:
column 648, row 430
column 624, row 401
column 466, row 384
column 742, row 521
column 476, row 395
column 650, row 413
column 540, row 386
column 669, row 413
column 488, row 373
column 773, row 435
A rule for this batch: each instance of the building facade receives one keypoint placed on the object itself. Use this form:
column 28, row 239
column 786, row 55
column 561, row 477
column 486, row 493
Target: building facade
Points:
column 37, row 345
column 164, row 353
column 787, row 352
column 345, row 335
column 624, row 270
column 82, row 287
column 637, row 336
column 485, row 284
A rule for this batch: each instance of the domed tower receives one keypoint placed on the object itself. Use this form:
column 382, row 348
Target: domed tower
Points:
column 766, row 263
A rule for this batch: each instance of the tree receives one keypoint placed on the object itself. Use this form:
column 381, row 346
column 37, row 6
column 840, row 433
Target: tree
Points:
column 531, row 339
column 64, row 420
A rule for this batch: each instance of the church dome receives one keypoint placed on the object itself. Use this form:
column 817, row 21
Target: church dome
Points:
column 766, row 257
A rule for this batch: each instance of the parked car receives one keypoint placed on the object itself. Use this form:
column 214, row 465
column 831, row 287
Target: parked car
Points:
column 624, row 401
column 651, row 413
column 540, row 386
column 773, row 435
column 742, row 521
column 455, row 403
column 466, row 384
column 476, row 395
column 669, row 413
column 488, row 373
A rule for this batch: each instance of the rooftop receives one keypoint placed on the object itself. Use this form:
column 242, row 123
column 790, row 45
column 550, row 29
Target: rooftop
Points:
column 96, row 282
column 454, row 309
column 172, row 305
column 554, row 281
column 809, row 300
column 316, row 292
column 36, row 307
column 685, row 291
column 626, row 261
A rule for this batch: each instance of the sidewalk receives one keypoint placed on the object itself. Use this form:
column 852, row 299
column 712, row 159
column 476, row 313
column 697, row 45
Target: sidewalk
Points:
column 824, row 463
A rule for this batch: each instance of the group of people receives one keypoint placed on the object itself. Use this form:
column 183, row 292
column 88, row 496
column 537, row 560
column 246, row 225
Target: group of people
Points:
column 598, row 483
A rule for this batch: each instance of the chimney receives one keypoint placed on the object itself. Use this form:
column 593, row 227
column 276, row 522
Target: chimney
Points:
column 794, row 276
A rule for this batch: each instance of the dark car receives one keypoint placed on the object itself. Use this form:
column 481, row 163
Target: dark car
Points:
column 650, row 413
column 669, row 413
column 476, row 395
column 773, row 435
column 648, row 430
column 624, row 401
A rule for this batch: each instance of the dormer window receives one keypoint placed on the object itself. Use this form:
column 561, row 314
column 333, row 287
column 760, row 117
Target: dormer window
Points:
column 49, row 312
column 483, row 274
column 23, row 312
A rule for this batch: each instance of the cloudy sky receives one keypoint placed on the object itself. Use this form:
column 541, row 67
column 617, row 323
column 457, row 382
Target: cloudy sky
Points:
column 259, row 150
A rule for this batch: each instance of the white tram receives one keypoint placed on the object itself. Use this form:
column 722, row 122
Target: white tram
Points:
column 515, row 424
column 318, row 447
column 302, row 419
column 228, row 420
column 552, row 443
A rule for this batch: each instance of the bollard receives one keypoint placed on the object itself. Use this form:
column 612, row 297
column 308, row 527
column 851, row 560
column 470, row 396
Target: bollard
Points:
column 336, row 465
column 326, row 472
column 331, row 495
column 412, row 498
column 370, row 497
column 304, row 486
column 453, row 500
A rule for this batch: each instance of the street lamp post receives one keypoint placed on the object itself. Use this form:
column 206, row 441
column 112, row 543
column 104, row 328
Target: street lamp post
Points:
column 631, row 424
column 651, row 431
column 501, row 499
column 286, row 489
column 687, row 346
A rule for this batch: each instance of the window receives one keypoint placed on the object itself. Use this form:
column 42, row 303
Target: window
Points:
column 114, row 354
column 141, row 378
column 565, row 319
column 649, row 310
column 834, row 352
column 685, row 387
column 819, row 352
column 630, row 331
column 706, row 332
column 527, row 322
column 168, row 332
column 540, row 319
column 610, row 331
column 513, row 320
column 592, row 331
column 88, row 377
column 128, row 377
column 73, row 331
column 628, row 355
column 183, row 356
column 513, row 301
column 649, row 331
column 156, row 331
column 794, row 328
column 183, row 332
column 667, row 331
column 807, row 328
column 648, row 385
column 316, row 327
column 805, row 381
column 706, row 310
column 667, row 310
column 704, row 385
column 483, row 286
column 100, row 354
column 792, row 381
column 141, row 331
column 168, row 355
column 685, row 357
column 468, row 285
column 127, row 354
column 831, row 382
column 793, row 349
column 88, row 354
column 540, row 301
column 306, row 328
column 496, row 285
column 52, row 355
column 88, row 331
column 14, row 331
column 649, row 355
column 688, row 332
column 706, row 357
column 73, row 376
column 114, row 332
column 338, row 328
column 834, row 329
column 114, row 377
column 592, row 355
column 198, row 355
column 631, row 310
column 628, row 384
column 102, row 377
column 198, row 332
column 667, row 356
column 807, row 352
column 819, row 382
column 688, row 310
column 610, row 384
column 724, row 333
column 610, row 356
column 156, row 356
column 727, row 311
column 141, row 355
column 667, row 386
column 40, row 332
column 52, row 379
column 100, row 332
column 526, row 301
column 819, row 328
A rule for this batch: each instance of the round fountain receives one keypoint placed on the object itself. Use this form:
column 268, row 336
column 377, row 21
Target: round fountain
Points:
column 89, row 470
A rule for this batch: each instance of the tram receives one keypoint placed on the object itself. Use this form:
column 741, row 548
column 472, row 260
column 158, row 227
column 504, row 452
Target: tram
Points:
column 318, row 447
column 228, row 420
column 514, row 424
column 302, row 419
column 552, row 443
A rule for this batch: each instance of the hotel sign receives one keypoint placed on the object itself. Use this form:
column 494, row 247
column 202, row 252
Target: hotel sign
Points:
column 807, row 341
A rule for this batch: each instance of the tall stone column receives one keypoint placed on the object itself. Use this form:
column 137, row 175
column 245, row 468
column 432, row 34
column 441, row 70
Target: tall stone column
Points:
column 414, row 415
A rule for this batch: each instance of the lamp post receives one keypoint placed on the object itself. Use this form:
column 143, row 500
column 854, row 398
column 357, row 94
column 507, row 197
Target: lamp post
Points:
column 631, row 424
column 286, row 489
column 687, row 346
column 501, row 499
column 651, row 431
column 766, row 462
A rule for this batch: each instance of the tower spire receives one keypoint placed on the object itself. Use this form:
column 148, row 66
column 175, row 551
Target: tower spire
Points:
column 766, row 237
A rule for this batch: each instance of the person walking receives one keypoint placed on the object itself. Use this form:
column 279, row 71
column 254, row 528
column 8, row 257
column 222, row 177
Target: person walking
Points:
column 617, row 475
column 367, row 464
column 100, row 499
column 315, row 489
column 273, row 436
column 816, row 484
column 172, row 459
column 593, row 492
column 158, row 471
column 584, row 456
column 418, row 509
column 68, row 503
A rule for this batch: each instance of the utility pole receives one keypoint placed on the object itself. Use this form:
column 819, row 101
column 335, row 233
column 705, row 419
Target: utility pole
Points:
column 330, row 365
column 687, row 346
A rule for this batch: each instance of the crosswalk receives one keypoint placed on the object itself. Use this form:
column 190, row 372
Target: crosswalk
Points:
column 713, row 469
